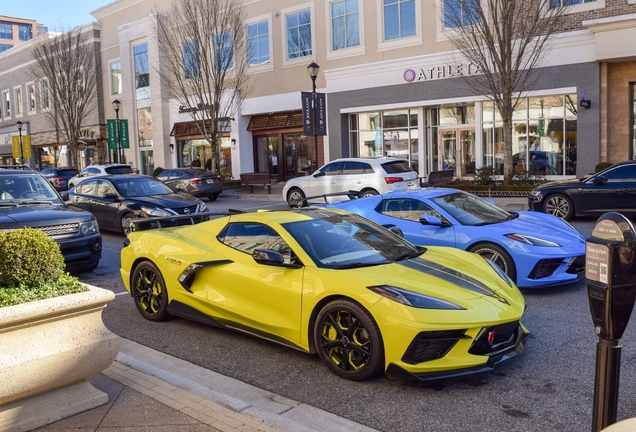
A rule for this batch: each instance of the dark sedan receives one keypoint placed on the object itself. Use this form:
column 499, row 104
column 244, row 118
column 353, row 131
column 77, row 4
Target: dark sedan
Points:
column 613, row 189
column 197, row 182
column 114, row 198
column 59, row 176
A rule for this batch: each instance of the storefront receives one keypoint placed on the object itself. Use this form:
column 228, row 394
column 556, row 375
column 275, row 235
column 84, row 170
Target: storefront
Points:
column 280, row 147
column 191, row 143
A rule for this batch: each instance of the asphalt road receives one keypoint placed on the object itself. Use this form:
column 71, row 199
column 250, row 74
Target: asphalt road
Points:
column 549, row 387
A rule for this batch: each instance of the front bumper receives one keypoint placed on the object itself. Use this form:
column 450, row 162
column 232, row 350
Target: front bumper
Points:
column 81, row 252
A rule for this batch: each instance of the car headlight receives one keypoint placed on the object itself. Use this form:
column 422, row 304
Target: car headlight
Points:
column 536, row 194
column 153, row 211
column 413, row 299
column 90, row 227
column 202, row 206
column 534, row 241
column 502, row 274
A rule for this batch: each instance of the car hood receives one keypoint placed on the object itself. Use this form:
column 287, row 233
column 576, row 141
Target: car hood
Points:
column 39, row 216
column 560, row 183
column 445, row 273
column 544, row 226
column 167, row 201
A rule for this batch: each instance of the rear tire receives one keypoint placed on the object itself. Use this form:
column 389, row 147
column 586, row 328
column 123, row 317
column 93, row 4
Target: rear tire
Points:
column 368, row 193
column 212, row 197
column 298, row 197
column 560, row 206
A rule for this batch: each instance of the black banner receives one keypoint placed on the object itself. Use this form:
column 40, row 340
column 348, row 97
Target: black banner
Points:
column 308, row 115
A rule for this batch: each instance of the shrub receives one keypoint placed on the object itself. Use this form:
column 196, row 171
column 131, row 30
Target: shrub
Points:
column 157, row 171
column 602, row 165
column 32, row 268
column 486, row 175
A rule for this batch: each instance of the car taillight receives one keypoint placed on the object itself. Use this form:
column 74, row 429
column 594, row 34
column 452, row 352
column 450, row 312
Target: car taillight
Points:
column 59, row 179
column 196, row 180
column 391, row 180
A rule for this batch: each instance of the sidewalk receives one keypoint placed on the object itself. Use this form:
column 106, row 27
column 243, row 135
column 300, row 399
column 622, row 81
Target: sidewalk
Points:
column 151, row 391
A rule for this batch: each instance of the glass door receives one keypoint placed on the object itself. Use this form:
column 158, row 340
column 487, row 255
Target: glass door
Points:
column 449, row 150
column 458, row 151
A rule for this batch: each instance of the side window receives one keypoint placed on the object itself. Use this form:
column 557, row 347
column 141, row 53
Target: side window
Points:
column 164, row 176
column 87, row 187
column 104, row 188
column 246, row 237
column 351, row 168
column 368, row 169
column 408, row 209
column 332, row 169
column 621, row 173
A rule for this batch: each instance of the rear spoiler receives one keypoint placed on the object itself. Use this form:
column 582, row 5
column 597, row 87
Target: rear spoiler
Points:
column 304, row 202
column 148, row 223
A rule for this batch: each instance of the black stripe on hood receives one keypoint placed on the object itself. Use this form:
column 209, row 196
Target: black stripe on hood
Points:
column 449, row 275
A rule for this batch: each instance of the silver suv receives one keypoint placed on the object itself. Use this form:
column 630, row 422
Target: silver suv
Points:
column 100, row 170
column 370, row 176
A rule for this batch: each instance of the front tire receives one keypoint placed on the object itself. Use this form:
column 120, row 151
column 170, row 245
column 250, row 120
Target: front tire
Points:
column 560, row 206
column 499, row 256
column 348, row 341
column 297, row 196
column 125, row 231
column 149, row 292
column 368, row 193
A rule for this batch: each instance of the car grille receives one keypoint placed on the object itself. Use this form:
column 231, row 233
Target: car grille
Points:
column 432, row 345
column 545, row 268
column 190, row 210
column 54, row 230
column 493, row 340
column 577, row 266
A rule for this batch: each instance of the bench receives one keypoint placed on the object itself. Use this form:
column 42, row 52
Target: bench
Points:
column 435, row 177
column 257, row 179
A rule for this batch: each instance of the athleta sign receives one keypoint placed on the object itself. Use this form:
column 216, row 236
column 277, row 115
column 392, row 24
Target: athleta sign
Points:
column 440, row 72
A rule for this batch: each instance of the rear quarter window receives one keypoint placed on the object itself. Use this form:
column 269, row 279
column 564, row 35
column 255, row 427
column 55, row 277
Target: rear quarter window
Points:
column 396, row 167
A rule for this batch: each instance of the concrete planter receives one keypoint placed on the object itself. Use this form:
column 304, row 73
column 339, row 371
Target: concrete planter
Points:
column 47, row 349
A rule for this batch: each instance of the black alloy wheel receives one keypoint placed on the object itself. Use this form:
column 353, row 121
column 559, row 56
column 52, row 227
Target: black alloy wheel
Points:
column 499, row 256
column 149, row 292
column 560, row 206
column 296, row 198
column 349, row 341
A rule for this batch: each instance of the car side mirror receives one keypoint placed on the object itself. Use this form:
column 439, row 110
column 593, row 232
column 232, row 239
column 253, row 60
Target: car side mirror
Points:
column 394, row 229
column 270, row 257
column 599, row 181
column 111, row 195
column 318, row 174
column 64, row 196
column 428, row 219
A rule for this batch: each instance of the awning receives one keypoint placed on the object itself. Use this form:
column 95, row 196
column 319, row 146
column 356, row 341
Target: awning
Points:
column 190, row 129
column 276, row 121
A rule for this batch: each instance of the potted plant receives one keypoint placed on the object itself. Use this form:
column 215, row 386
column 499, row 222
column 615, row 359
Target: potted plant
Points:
column 52, row 335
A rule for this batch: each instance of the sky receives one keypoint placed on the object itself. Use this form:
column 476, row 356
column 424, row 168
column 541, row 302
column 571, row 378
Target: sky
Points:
column 54, row 14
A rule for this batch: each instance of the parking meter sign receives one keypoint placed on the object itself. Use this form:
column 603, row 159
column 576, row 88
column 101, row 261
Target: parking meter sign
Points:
column 596, row 261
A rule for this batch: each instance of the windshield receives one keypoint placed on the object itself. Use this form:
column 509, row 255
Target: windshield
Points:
column 348, row 241
column 141, row 187
column 29, row 189
column 471, row 210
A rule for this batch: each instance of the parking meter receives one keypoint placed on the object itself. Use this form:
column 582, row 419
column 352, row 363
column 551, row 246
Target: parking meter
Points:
column 610, row 270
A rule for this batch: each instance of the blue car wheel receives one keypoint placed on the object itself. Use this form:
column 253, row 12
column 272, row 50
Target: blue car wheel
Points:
column 497, row 255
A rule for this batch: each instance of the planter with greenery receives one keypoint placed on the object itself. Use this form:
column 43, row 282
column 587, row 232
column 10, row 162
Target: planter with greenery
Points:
column 52, row 335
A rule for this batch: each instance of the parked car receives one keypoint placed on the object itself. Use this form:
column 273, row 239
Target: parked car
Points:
column 197, row 182
column 369, row 176
column 27, row 199
column 331, row 282
column 59, row 176
column 114, row 198
column 100, row 170
column 612, row 189
column 533, row 249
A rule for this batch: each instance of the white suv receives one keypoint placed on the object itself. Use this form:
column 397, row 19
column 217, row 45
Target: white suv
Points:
column 370, row 176
column 100, row 170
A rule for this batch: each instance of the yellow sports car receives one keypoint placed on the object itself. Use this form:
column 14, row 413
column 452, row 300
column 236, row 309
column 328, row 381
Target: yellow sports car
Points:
column 331, row 282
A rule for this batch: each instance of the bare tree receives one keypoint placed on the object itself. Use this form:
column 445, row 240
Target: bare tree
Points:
column 506, row 40
column 67, row 61
column 204, row 59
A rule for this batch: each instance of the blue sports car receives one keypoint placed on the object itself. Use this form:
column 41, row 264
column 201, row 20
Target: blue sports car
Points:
column 533, row 249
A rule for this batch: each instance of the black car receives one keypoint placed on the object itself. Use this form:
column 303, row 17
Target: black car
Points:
column 197, row 182
column 114, row 198
column 613, row 189
column 59, row 176
column 27, row 199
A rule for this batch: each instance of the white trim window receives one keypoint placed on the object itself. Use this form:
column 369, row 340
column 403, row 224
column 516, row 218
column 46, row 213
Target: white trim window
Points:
column 258, row 42
column 345, row 24
column 298, row 30
column 114, row 70
column 6, row 104
column 399, row 19
column 223, row 51
column 460, row 13
column 19, row 104
column 30, row 87
column 575, row 6
column 191, row 64
column 45, row 94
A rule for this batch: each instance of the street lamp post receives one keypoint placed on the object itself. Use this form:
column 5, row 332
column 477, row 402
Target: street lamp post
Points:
column 19, row 125
column 312, row 69
column 116, row 105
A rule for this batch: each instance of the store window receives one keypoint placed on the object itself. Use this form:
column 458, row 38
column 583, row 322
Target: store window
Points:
column 544, row 136
column 144, row 114
column 385, row 133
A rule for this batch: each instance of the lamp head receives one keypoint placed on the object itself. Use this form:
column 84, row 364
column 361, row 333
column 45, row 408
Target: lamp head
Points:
column 19, row 125
column 313, row 69
column 116, row 104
